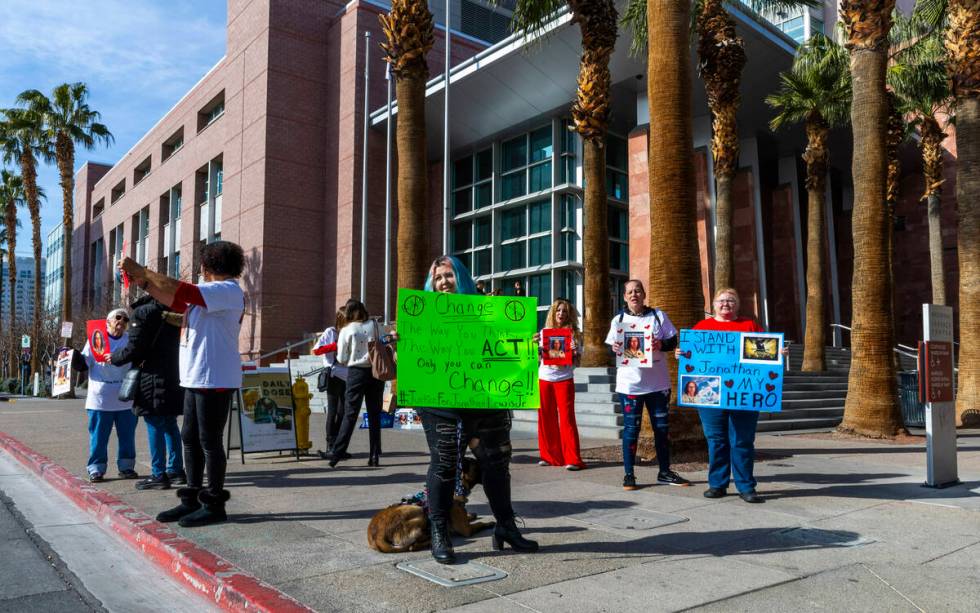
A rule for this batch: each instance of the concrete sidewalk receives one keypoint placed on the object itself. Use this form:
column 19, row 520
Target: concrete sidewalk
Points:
column 846, row 526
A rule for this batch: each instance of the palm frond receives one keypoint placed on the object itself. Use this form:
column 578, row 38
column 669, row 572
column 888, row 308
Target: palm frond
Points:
column 530, row 17
column 818, row 82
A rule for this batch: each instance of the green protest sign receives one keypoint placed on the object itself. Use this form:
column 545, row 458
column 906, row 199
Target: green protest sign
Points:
column 458, row 351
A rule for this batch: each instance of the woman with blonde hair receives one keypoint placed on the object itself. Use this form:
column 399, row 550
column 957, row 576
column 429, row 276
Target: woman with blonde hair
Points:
column 558, row 441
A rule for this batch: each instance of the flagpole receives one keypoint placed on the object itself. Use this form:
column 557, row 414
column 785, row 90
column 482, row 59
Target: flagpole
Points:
column 445, row 137
column 364, row 167
column 388, row 78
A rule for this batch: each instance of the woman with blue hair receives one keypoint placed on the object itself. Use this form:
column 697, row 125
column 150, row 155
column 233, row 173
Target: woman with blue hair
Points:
column 486, row 432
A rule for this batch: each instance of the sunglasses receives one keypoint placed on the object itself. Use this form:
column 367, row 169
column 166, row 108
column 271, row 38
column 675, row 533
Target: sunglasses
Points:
column 121, row 318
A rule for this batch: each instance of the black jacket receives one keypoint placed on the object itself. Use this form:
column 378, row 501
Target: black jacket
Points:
column 158, row 392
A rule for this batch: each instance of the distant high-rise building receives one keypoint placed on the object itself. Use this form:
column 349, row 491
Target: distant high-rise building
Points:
column 54, row 271
column 25, row 290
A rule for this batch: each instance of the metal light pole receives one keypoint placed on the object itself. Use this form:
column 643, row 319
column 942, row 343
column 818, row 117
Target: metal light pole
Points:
column 445, row 137
column 364, row 167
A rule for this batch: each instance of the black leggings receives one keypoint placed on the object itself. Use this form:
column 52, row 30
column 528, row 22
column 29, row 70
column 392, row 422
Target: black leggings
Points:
column 361, row 387
column 336, row 401
column 488, row 433
column 205, row 415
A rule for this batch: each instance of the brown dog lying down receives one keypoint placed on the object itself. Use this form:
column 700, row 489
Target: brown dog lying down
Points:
column 405, row 527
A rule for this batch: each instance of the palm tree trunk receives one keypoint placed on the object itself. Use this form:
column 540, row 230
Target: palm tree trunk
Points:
column 932, row 168
column 816, row 284
column 595, row 250
column 934, row 212
column 11, row 222
column 675, row 280
column 598, row 23
column 412, row 181
column 724, row 242
column 65, row 155
column 871, row 408
column 29, row 172
column 968, row 249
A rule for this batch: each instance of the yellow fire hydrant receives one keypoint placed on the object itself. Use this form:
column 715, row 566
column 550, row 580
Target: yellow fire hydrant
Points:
column 302, row 397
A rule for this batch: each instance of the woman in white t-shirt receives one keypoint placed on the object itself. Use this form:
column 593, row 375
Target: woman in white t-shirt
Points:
column 650, row 386
column 105, row 410
column 352, row 352
column 326, row 346
column 558, row 441
column 210, row 372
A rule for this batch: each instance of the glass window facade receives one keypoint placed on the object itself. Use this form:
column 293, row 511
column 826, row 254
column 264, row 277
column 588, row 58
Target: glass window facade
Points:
column 517, row 212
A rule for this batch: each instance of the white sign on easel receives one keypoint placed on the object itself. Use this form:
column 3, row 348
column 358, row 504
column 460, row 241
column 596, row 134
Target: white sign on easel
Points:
column 941, row 471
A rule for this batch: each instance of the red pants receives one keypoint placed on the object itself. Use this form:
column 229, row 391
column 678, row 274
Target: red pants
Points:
column 557, row 432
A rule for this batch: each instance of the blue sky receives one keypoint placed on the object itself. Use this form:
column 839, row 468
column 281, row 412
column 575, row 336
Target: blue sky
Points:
column 138, row 58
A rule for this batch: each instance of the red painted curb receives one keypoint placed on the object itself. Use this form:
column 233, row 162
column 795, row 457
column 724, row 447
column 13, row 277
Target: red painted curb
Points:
column 212, row 576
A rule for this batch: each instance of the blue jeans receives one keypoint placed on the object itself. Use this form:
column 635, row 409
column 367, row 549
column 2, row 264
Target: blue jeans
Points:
column 166, row 453
column 731, row 447
column 100, row 428
column 656, row 404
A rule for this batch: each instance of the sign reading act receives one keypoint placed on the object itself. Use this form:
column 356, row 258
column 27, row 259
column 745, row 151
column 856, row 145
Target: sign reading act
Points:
column 458, row 351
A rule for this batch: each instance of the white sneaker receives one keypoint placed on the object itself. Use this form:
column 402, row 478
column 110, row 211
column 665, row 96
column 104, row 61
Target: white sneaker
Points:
column 543, row 463
column 572, row 467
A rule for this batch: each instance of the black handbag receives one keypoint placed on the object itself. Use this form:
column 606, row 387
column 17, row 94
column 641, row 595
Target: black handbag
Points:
column 131, row 380
column 323, row 379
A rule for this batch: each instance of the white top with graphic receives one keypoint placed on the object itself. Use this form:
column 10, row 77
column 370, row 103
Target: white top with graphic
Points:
column 352, row 347
column 633, row 380
column 330, row 358
column 209, row 357
column 104, row 380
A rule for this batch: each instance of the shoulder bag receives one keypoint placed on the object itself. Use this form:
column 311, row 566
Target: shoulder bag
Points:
column 382, row 357
column 127, row 390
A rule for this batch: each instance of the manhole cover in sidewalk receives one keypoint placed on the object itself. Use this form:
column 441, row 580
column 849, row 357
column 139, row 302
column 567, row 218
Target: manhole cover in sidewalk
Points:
column 827, row 538
column 452, row 575
column 633, row 519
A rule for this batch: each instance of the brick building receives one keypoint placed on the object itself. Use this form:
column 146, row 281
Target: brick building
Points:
column 266, row 151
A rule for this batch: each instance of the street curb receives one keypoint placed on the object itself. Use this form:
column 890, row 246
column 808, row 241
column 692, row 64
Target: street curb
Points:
column 206, row 573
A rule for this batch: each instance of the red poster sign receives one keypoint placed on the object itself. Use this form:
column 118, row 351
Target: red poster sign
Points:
column 936, row 371
column 557, row 345
column 98, row 338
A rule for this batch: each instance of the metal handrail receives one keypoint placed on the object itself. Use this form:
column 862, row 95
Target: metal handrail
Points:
column 288, row 347
column 910, row 352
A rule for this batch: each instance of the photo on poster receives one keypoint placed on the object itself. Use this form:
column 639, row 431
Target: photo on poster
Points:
column 699, row 390
column 556, row 345
column 634, row 345
column 61, row 376
column 761, row 348
column 98, row 339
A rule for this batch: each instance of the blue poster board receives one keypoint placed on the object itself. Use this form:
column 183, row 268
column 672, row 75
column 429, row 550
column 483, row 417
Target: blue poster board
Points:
column 731, row 370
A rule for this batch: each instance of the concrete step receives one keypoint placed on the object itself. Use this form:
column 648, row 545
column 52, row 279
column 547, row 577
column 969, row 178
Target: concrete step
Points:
column 611, row 420
column 796, row 394
column 817, row 387
column 596, row 408
column 596, row 397
column 797, row 414
column 816, row 403
column 778, row 425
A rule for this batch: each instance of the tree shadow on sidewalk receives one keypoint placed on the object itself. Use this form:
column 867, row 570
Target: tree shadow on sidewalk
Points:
column 316, row 477
column 261, row 518
column 858, row 486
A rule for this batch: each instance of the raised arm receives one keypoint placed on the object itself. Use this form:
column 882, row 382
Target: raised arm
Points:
column 161, row 287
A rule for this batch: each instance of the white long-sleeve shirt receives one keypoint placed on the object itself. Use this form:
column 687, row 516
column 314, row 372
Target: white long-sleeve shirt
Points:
column 104, row 380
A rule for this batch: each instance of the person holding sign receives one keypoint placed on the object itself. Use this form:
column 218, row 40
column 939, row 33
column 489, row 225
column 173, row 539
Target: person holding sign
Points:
column 646, row 385
column 730, row 433
column 558, row 441
column 486, row 432
column 210, row 371
column 104, row 408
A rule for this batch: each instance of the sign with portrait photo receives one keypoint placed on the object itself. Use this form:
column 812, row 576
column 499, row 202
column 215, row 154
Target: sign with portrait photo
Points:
column 636, row 346
column 730, row 370
column 61, row 375
column 98, row 339
column 556, row 347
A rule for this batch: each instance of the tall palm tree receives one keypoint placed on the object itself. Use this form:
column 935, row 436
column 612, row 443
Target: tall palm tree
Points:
column 598, row 23
column 11, row 198
column 664, row 27
column 871, row 408
column 409, row 37
column 22, row 140
column 817, row 92
column 963, row 46
column 68, row 121
column 721, row 54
